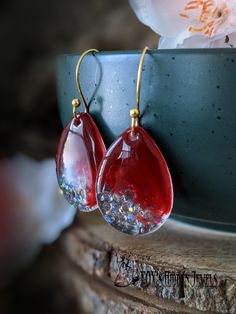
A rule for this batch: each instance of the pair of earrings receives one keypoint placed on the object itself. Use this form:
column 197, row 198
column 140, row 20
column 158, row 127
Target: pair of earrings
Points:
column 130, row 182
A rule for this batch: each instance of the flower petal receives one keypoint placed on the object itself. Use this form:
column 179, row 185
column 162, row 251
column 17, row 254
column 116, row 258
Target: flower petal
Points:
column 162, row 16
column 33, row 212
column 199, row 41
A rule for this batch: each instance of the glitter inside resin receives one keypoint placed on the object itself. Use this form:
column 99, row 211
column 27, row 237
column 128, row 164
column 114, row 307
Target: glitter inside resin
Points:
column 80, row 152
column 134, row 186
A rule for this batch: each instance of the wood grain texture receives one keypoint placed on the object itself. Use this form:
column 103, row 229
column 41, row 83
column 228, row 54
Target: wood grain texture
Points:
column 197, row 270
column 100, row 296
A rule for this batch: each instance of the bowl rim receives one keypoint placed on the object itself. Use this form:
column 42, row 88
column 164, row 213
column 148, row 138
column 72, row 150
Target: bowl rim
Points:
column 153, row 51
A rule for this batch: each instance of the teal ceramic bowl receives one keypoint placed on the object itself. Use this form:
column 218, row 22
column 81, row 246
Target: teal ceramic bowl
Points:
column 188, row 105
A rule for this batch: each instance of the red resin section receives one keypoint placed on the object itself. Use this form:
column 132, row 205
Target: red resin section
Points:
column 79, row 155
column 134, row 185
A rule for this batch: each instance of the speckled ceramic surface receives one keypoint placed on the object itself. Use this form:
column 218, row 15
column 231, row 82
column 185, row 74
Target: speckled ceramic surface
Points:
column 188, row 105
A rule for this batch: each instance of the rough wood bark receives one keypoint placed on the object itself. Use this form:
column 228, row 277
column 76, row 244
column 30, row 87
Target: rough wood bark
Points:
column 163, row 265
column 100, row 296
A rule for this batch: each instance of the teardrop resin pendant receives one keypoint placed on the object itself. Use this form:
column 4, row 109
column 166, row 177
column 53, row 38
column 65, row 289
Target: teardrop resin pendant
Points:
column 79, row 155
column 134, row 186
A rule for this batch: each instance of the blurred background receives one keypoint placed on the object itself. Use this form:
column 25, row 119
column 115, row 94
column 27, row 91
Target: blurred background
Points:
column 32, row 34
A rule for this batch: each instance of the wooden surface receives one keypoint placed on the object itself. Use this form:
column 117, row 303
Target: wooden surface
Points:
column 154, row 274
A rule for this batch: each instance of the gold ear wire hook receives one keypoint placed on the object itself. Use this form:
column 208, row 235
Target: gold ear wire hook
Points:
column 134, row 113
column 76, row 102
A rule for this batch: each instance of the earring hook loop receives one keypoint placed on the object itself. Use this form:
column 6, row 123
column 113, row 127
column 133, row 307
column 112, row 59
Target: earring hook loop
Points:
column 76, row 102
column 135, row 112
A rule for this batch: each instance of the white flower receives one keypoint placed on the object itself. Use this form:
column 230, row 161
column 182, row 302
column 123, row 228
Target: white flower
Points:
column 190, row 24
column 32, row 211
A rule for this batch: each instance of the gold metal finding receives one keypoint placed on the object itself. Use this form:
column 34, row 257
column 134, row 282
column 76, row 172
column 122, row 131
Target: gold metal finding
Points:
column 134, row 113
column 75, row 104
column 76, row 101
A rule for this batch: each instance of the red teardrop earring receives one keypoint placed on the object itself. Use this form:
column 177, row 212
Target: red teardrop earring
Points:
column 134, row 186
column 79, row 154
